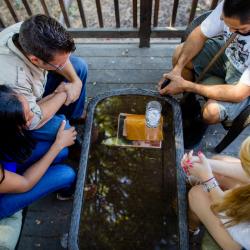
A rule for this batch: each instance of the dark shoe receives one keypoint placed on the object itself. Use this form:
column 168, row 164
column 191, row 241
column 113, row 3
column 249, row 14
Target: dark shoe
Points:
column 193, row 126
column 63, row 197
column 193, row 134
column 66, row 193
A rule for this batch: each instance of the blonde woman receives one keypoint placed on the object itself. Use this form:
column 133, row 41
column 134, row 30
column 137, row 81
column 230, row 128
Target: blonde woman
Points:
column 226, row 215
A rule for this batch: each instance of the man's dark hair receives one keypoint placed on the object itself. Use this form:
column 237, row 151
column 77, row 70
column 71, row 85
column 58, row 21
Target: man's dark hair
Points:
column 43, row 36
column 15, row 144
column 239, row 9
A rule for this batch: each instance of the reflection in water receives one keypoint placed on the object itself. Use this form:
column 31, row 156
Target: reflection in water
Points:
column 135, row 188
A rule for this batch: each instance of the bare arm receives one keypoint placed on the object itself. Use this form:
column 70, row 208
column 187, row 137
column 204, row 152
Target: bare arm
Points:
column 224, row 92
column 14, row 183
column 229, row 169
column 51, row 105
column 46, row 98
column 191, row 48
column 220, row 92
column 73, row 88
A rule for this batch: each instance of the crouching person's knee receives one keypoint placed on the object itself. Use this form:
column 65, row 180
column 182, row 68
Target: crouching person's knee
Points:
column 211, row 112
column 67, row 175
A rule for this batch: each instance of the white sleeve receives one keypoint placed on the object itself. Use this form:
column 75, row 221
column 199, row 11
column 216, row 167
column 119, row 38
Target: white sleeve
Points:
column 245, row 78
column 213, row 25
column 240, row 233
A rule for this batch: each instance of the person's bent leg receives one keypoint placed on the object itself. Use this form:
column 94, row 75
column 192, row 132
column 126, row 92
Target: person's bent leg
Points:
column 49, row 130
column 41, row 148
column 211, row 112
column 64, row 176
column 74, row 110
column 187, row 72
column 230, row 110
column 199, row 203
column 200, row 62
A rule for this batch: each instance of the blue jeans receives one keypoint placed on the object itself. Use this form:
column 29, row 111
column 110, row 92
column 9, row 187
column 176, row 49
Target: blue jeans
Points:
column 48, row 131
column 62, row 173
column 41, row 148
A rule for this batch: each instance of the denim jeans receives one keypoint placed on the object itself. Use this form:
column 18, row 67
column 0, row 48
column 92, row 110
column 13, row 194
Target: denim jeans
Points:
column 48, row 131
column 41, row 148
column 57, row 176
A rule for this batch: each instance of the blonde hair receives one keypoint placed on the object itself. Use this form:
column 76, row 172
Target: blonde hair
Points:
column 245, row 155
column 236, row 203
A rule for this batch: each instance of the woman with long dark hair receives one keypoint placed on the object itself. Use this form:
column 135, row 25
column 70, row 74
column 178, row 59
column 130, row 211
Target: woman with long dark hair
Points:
column 23, row 181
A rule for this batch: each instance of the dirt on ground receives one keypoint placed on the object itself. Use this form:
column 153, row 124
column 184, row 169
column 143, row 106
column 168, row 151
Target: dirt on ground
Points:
column 125, row 7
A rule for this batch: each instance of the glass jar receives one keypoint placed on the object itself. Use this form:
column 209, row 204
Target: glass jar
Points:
column 152, row 117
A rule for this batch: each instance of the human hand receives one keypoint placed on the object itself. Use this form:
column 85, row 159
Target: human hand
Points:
column 186, row 162
column 197, row 166
column 60, row 88
column 73, row 90
column 176, row 86
column 65, row 138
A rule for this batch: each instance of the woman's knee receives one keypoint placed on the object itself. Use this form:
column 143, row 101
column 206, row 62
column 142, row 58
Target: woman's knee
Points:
column 67, row 174
column 211, row 112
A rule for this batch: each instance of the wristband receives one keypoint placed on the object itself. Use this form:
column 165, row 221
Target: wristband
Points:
column 208, row 180
column 210, row 184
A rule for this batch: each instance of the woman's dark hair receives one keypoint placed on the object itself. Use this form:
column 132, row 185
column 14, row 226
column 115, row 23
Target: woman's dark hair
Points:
column 239, row 9
column 15, row 143
column 43, row 36
column 3, row 175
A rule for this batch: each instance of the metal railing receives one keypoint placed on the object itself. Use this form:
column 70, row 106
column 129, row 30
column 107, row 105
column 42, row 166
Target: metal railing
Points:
column 148, row 21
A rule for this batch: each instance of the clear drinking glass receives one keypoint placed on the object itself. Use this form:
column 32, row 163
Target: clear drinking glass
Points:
column 152, row 116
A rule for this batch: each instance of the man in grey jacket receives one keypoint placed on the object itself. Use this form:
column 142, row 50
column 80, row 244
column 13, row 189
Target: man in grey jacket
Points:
column 36, row 61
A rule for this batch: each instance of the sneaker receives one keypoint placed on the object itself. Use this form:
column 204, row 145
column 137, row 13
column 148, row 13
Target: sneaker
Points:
column 64, row 197
column 66, row 194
